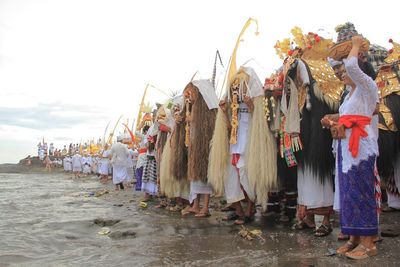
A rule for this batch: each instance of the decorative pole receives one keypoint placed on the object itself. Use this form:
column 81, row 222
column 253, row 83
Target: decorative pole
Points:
column 112, row 133
column 232, row 67
column 139, row 117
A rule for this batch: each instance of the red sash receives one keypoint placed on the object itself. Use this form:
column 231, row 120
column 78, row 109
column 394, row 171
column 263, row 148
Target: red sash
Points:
column 235, row 159
column 357, row 124
column 142, row 150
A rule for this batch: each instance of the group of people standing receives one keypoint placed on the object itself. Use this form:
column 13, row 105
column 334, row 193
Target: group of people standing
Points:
column 118, row 161
column 305, row 143
column 316, row 137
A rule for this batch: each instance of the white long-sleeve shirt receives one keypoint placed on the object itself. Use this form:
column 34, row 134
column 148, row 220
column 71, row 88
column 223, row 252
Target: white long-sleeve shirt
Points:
column 361, row 102
column 119, row 154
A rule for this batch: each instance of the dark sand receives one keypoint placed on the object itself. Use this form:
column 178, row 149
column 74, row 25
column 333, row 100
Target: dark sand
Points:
column 52, row 219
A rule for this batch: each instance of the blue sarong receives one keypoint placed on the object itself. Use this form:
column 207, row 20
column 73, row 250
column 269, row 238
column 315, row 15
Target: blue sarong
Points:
column 139, row 174
column 358, row 207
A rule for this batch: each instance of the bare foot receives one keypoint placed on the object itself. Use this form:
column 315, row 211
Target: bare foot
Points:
column 190, row 210
column 203, row 213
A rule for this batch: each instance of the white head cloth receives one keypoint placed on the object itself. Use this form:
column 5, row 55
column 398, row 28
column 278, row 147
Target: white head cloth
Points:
column 178, row 101
column 169, row 119
column 255, row 86
column 333, row 62
column 153, row 130
column 208, row 92
column 126, row 136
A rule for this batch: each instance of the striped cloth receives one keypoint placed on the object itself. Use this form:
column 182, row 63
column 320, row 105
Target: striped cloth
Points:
column 150, row 170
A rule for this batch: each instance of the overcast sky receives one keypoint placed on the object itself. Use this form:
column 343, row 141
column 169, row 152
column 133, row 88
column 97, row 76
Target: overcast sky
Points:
column 67, row 68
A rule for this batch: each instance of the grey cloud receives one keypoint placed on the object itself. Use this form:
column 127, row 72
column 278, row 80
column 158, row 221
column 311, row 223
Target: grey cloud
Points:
column 48, row 116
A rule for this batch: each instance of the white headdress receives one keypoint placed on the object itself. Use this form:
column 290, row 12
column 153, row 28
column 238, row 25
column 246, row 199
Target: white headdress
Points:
column 333, row 62
column 178, row 101
column 207, row 90
column 254, row 85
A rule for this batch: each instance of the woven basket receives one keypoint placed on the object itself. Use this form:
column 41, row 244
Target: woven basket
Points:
column 342, row 50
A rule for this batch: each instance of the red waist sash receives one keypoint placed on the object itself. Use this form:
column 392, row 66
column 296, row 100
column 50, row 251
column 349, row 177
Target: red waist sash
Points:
column 357, row 124
column 142, row 150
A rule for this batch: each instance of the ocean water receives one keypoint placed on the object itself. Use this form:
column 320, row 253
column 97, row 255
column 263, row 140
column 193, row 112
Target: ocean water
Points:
column 48, row 220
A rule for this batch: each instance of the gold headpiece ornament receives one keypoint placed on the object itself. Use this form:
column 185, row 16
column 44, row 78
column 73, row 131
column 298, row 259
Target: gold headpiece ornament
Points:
column 314, row 50
column 394, row 53
column 306, row 46
column 283, row 48
column 387, row 79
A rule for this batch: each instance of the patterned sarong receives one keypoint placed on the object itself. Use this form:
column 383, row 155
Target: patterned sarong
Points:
column 139, row 174
column 358, row 206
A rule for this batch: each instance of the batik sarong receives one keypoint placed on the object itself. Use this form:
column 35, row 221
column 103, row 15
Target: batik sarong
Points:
column 358, row 207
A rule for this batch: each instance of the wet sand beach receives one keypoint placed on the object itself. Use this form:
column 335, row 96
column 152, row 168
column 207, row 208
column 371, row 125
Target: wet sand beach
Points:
column 52, row 219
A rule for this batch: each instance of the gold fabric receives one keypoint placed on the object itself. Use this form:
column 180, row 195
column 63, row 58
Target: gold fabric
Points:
column 301, row 98
column 387, row 116
column 387, row 82
column 329, row 85
column 395, row 55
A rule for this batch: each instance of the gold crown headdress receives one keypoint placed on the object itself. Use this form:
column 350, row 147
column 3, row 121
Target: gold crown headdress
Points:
column 309, row 45
column 313, row 49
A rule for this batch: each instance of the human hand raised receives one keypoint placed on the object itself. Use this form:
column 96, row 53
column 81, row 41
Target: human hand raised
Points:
column 357, row 40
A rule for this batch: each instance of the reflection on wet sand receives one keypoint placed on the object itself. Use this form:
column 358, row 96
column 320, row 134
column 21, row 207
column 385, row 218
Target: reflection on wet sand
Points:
column 52, row 219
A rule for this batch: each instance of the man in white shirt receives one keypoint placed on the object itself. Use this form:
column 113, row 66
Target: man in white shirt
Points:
column 119, row 153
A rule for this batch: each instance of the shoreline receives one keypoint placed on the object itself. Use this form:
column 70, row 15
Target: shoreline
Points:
column 21, row 168
column 36, row 166
column 136, row 230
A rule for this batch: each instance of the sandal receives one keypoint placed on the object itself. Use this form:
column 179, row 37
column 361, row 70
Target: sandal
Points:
column 389, row 209
column 347, row 247
column 365, row 252
column 323, row 230
column 390, row 233
column 231, row 217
